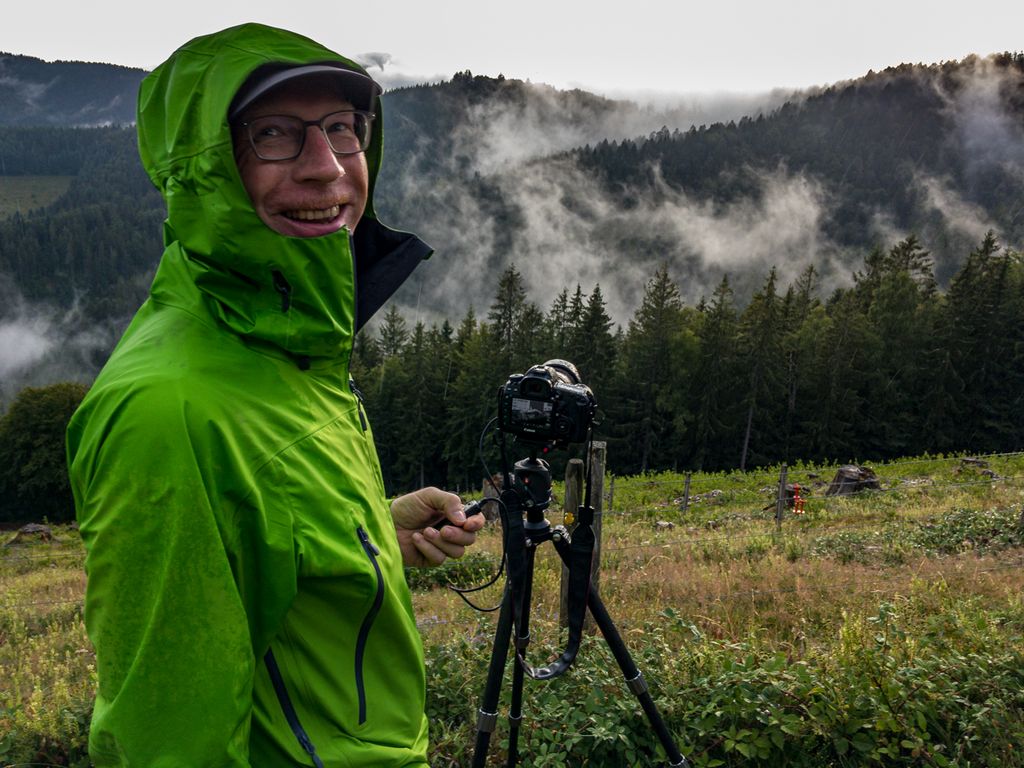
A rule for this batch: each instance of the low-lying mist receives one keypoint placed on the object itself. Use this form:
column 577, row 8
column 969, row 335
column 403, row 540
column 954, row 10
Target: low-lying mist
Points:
column 569, row 228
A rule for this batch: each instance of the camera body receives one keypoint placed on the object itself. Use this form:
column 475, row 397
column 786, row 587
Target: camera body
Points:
column 547, row 405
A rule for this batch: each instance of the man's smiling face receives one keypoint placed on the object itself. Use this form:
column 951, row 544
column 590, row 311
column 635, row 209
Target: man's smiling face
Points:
column 318, row 192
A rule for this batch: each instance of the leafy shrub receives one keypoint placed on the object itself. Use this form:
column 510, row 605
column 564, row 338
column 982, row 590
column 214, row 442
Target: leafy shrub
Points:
column 467, row 571
column 33, row 465
column 970, row 529
column 883, row 696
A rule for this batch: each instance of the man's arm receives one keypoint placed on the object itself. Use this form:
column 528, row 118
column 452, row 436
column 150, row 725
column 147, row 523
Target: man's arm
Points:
column 164, row 609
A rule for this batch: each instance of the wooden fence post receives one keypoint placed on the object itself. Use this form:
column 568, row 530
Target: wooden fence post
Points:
column 780, row 503
column 686, row 495
column 598, row 456
column 573, row 498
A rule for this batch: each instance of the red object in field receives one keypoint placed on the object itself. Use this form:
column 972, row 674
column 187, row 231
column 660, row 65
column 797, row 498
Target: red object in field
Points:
column 798, row 501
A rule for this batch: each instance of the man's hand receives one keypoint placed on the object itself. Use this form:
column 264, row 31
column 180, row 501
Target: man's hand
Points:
column 423, row 545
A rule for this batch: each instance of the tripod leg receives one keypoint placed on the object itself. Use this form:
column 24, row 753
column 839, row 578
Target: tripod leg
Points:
column 634, row 678
column 521, row 638
column 487, row 716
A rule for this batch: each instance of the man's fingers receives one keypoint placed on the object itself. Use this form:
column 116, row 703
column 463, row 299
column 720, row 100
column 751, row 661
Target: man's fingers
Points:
column 436, row 549
column 467, row 517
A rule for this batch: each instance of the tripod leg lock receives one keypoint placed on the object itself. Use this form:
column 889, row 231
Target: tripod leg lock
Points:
column 522, row 642
column 486, row 722
column 638, row 685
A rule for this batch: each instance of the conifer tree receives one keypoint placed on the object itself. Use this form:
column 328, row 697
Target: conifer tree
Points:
column 471, row 401
column 760, row 347
column 645, row 406
column 715, row 384
column 982, row 324
column 394, row 333
column 594, row 349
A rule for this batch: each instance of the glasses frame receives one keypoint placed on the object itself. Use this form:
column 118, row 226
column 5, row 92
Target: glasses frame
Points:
column 306, row 124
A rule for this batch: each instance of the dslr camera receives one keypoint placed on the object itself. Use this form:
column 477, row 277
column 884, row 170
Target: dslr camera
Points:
column 547, row 405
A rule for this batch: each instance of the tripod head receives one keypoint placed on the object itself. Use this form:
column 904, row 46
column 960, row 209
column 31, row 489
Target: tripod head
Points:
column 531, row 482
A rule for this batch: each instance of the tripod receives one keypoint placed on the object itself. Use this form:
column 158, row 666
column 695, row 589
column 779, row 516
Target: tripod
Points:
column 528, row 490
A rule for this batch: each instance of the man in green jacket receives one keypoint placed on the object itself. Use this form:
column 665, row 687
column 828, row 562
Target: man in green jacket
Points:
column 246, row 594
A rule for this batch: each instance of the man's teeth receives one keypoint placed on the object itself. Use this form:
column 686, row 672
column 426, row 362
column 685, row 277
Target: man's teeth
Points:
column 318, row 215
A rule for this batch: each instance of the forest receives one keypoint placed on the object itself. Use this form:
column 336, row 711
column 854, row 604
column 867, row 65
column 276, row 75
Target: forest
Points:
column 891, row 366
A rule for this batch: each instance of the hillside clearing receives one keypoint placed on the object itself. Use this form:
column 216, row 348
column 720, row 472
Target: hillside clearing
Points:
column 21, row 194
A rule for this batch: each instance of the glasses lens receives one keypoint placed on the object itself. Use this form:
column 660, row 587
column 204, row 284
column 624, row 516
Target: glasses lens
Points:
column 276, row 137
column 348, row 131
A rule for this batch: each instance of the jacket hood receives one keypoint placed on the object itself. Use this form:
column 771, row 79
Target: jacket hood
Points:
column 295, row 293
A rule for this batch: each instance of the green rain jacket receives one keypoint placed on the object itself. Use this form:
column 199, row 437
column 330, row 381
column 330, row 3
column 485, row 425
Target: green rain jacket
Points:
column 245, row 594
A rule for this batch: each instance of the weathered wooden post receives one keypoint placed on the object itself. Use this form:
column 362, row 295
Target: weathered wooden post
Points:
column 574, row 496
column 598, row 455
column 686, row 495
column 780, row 504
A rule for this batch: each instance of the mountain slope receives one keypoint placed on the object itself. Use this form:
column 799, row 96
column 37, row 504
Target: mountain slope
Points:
column 570, row 187
column 66, row 93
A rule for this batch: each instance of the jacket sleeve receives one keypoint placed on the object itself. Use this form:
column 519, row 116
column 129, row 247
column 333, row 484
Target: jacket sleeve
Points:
column 174, row 604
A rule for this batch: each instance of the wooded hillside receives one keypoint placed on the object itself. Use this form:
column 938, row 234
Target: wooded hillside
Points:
column 839, row 277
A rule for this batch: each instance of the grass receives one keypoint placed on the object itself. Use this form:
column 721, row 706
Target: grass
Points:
column 883, row 629
column 21, row 194
column 47, row 669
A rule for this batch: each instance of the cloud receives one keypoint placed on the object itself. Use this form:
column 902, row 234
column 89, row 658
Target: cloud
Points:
column 568, row 229
column 960, row 215
column 577, row 232
column 24, row 341
column 41, row 345
column 30, row 93
column 977, row 101
column 374, row 59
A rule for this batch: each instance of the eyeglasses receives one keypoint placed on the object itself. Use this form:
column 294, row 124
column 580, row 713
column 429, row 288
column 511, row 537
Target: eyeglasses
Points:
column 281, row 137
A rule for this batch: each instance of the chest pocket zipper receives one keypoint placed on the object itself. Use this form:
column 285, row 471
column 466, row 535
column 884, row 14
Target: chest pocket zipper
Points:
column 359, row 403
column 364, row 630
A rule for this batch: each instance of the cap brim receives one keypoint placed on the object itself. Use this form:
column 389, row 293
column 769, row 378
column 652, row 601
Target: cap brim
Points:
column 359, row 89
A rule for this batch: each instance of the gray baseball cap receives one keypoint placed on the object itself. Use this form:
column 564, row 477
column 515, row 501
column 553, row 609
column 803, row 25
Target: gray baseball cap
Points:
column 358, row 88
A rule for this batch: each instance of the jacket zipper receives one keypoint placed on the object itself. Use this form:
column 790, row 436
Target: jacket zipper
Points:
column 359, row 402
column 289, row 710
column 283, row 289
column 364, row 630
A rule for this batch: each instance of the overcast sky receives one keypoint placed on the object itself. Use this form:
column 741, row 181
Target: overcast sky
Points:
column 616, row 48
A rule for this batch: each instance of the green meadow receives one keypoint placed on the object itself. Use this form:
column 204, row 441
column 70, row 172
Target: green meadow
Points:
column 881, row 629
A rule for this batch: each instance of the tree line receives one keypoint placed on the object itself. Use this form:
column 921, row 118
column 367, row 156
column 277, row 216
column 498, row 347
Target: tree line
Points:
column 890, row 366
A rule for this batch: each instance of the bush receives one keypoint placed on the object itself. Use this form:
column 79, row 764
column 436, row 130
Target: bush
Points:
column 883, row 696
column 467, row 571
column 33, row 465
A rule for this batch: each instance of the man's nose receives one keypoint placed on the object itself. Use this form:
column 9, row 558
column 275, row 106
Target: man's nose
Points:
column 317, row 160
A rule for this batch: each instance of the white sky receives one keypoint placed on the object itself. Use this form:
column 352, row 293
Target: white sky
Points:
column 623, row 48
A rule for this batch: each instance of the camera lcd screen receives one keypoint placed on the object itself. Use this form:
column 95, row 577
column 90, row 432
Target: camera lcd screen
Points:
column 531, row 411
